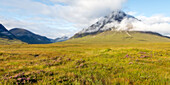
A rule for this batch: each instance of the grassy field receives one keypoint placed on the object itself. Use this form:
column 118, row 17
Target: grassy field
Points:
column 81, row 63
column 119, row 37
column 4, row 41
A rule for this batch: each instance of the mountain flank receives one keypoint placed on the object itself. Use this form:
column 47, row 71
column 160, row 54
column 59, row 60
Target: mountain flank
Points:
column 120, row 37
column 4, row 33
column 117, row 22
column 29, row 37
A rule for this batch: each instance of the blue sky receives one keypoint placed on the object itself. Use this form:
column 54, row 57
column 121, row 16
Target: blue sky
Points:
column 149, row 7
column 56, row 18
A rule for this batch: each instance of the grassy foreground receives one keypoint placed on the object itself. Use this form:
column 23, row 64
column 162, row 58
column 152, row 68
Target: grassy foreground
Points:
column 85, row 64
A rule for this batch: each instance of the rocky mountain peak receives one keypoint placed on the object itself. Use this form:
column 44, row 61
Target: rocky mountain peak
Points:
column 109, row 22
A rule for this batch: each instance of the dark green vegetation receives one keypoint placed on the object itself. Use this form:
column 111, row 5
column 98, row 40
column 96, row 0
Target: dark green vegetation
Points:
column 99, row 61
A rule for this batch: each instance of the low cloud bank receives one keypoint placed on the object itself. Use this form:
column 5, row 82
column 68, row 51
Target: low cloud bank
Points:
column 158, row 23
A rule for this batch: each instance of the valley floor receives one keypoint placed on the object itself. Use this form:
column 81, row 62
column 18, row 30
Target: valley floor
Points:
column 85, row 64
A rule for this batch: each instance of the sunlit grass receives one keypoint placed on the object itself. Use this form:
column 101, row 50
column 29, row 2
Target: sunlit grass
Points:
column 4, row 41
column 97, row 64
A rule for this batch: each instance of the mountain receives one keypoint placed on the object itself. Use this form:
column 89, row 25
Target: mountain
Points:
column 4, row 33
column 115, row 28
column 29, row 37
column 26, row 36
column 116, row 21
column 110, row 22
column 61, row 39
column 7, row 37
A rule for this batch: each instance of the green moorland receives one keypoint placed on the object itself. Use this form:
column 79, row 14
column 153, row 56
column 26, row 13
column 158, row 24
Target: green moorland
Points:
column 142, row 59
column 120, row 37
column 4, row 41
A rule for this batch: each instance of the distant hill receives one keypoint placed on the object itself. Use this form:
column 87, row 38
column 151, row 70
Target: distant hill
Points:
column 60, row 39
column 120, row 37
column 26, row 36
column 29, row 37
column 7, row 37
column 4, row 33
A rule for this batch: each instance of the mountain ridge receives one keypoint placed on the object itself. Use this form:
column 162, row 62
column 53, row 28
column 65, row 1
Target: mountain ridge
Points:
column 26, row 36
column 29, row 37
column 60, row 39
column 7, row 38
column 32, row 38
column 116, row 21
column 4, row 33
column 109, row 22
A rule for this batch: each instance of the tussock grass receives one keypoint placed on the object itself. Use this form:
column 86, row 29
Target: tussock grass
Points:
column 86, row 64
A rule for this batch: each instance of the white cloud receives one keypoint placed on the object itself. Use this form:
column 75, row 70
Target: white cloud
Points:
column 25, row 7
column 156, row 23
column 81, row 13
column 66, row 17
column 87, row 11
column 43, row 26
